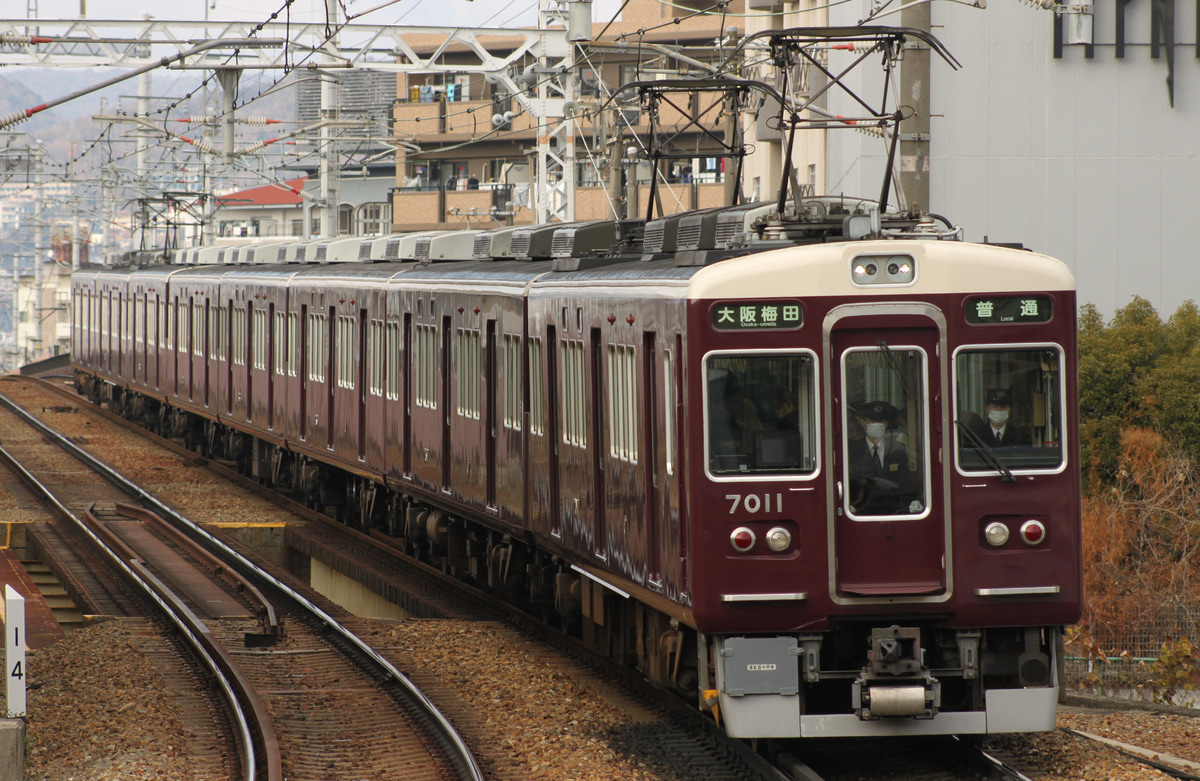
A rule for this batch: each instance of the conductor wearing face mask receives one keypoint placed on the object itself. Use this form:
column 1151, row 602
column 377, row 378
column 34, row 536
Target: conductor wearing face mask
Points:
column 880, row 483
column 1000, row 429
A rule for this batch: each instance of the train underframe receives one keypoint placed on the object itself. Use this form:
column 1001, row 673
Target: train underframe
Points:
column 858, row 678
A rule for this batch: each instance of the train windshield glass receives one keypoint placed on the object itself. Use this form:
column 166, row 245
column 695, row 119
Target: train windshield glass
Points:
column 885, row 445
column 1009, row 409
column 761, row 413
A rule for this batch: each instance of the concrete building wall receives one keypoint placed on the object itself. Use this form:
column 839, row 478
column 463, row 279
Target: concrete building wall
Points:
column 1084, row 159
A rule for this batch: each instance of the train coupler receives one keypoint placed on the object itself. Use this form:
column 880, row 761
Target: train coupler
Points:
column 895, row 683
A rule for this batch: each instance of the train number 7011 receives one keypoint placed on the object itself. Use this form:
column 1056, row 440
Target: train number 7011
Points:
column 753, row 503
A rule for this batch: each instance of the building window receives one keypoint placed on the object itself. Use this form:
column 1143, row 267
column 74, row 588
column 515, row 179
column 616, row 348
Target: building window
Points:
column 374, row 219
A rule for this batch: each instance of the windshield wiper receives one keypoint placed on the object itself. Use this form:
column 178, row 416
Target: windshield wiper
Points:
column 891, row 361
column 986, row 452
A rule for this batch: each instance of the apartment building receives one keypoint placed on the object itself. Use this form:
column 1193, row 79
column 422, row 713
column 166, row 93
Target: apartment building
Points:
column 468, row 151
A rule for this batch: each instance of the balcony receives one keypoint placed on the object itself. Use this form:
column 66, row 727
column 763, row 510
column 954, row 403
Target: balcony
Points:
column 427, row 209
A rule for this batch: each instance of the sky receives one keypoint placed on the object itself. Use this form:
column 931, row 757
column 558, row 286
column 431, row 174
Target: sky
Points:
column 477, row 13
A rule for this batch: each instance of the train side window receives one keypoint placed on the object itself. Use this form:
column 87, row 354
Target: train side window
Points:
column 622, row 401
column 280, row 344
column 537, row 392
column 574, row 423
column 513, row 381
column 469, row 372
column 393, row 361
column 761, row 413
column 258, row 334
column 424, row 365
column 1009, row 408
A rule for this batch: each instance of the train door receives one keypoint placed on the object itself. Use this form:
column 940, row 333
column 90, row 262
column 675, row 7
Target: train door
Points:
column 650, row 400
column 274, row 332
column 330, row 375
column 302, row 396
column 250, row 353
column 596, row 403
column 447, row 364
column 407, row 390
column 360, row 385
column 491, row 388
column 550, row 389
column 890, row 526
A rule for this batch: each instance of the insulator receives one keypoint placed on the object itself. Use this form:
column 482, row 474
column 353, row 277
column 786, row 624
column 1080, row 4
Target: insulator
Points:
column 206, row 147
column 15, row 39
column 202, row 119
column 14, row 118
column 258, row 121
column 257, row 145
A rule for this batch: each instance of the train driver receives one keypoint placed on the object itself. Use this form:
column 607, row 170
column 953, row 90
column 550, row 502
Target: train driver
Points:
column 880, row 483
column 733, row 420
column 1000, row 430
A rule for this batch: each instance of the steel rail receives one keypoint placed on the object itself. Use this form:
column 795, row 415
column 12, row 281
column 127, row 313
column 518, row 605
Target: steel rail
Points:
column 263, row 607
column 136, row 575
column 457, row 750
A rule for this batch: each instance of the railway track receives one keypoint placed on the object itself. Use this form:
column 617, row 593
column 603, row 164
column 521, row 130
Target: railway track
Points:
column 311, row 677
column 667, row 733
column 426, row 592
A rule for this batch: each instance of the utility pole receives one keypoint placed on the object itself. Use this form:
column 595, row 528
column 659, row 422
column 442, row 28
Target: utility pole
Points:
column 330, row 195
column 914, row 131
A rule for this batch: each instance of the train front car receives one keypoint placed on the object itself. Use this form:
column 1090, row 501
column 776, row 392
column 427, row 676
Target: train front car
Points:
column 885, row 509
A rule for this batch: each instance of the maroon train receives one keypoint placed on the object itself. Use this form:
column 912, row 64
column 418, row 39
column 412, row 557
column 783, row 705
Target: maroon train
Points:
column 830, row 485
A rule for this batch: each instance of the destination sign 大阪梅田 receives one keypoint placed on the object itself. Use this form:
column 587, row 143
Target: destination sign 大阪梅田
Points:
column 756, row 315
column 1008, row 309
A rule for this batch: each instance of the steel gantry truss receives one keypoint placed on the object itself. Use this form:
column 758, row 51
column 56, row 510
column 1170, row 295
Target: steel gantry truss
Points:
column 328, row 48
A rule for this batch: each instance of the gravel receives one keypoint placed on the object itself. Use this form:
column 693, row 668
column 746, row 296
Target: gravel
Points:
column 99, row 710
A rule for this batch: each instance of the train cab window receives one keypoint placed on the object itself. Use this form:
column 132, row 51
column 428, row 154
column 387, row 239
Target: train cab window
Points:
column 761, row 414
column 1008, row 409
column 885, row 458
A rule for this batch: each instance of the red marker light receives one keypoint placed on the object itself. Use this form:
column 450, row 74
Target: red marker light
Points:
column 1033, row 532
column 742, row 539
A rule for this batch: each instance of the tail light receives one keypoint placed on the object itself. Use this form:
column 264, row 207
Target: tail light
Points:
column 1033, row 532
column 742, row 539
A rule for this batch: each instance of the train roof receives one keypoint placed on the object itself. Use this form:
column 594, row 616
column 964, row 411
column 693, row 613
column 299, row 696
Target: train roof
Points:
column 939, row 267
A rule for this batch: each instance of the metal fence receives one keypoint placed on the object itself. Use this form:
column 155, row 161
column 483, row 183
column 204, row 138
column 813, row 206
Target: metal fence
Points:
column 1117, row 656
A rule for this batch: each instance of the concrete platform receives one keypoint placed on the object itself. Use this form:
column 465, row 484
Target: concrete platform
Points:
column 12, row 749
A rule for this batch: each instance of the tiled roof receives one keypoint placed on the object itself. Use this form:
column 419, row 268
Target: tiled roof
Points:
column 279, row 194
